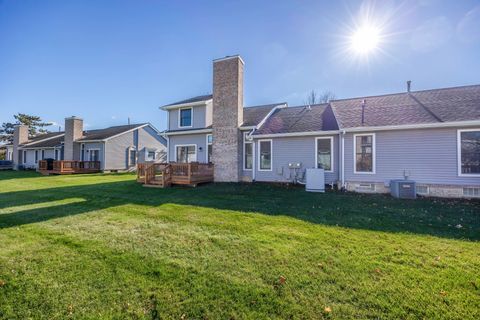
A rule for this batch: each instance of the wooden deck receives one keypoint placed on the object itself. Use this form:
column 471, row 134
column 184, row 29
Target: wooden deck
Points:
column 69, row 167
column 165, row 174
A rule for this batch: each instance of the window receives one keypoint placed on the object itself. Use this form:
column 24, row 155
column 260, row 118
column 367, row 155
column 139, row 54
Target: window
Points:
column 24, row 157
column 187, row 153
column 471, row 192
column 94, row 154
column 265, row 155
column 324, row 149
column 133, row 157
column 150, row 155
column 247, row 153
column 209, row 147
column 43, row 154
column 469, row 152
column 364, row 146
column 422, row 190
column 36, row 156
column 185, row 117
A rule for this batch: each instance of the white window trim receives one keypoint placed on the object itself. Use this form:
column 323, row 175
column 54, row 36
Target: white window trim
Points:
column 130, row 149
column 374, row 153
column 185, row 145
column 93, row 149
column 147, row 150
column 35, row 157
column 253, row 147
column 206, row 144
column 332, row 160
column 459, row 154
column 271, row 155
column 179, row 117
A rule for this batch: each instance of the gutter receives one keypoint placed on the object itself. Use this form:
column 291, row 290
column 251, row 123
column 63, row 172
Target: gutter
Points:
column 176, row 133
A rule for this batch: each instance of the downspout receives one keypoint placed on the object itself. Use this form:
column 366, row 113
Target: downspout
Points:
column 249, row 136
column 342, row 165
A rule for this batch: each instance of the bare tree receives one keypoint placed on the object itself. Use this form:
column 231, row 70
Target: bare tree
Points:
column 324, row 97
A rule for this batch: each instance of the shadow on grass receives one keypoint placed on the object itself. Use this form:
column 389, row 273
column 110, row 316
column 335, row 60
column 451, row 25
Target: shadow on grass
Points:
column 441, row 218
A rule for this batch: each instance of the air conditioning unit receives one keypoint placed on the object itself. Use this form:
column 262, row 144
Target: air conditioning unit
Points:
column 403, row 189
column 315, row 180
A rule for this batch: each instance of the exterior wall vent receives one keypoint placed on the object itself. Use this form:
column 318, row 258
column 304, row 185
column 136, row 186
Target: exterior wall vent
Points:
column 471, row 192
column 423, row 190
column 403, row 189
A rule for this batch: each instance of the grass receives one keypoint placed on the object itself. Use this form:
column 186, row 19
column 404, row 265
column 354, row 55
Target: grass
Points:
column 103, row 247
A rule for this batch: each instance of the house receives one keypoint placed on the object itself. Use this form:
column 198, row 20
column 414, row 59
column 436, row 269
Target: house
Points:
column 431, row 137
column 117, row 148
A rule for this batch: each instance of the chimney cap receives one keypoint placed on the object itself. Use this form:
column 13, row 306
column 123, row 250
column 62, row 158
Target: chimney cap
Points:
column 409, row 84
column 73, row 118
column 236, row 56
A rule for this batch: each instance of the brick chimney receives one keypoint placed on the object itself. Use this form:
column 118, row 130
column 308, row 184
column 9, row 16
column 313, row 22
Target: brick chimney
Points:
column 73, row 132
column 20, row 136
column 227, row 117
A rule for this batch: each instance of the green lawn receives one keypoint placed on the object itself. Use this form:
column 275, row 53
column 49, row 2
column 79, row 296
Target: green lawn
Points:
column 103, row 247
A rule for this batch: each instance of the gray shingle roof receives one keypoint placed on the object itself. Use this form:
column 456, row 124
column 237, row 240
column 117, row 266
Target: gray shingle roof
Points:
column 191, row 100
column 254, row 115
column 101, row 134
column 97, row 134
column 50, row 143
column 300, row 119
column 418, row 107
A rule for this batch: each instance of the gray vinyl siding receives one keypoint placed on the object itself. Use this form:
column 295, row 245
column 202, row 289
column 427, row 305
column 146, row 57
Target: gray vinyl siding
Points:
column 430, row 156
column 48, row 154
column 198, row 114
column 200, row 140
column 294, row 149
column 149, row 139
column 117, row 148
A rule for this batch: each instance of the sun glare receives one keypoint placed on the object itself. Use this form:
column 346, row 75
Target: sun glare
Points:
column 365, row 40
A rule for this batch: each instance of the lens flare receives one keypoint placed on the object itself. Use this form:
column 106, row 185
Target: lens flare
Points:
column 365, row 39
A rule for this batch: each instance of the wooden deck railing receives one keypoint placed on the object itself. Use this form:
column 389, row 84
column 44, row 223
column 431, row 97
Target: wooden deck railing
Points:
column 174, row 173
column 69, row 166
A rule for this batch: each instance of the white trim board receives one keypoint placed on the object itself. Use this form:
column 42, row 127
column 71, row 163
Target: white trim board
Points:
column 332, row 157
column 459, row 154
column 177, row 133
column 189, row 104
column 374, row 153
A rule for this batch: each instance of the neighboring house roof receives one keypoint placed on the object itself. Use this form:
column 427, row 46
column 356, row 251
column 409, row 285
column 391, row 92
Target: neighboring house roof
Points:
column 102, row 134
column 299, row 119
column 252, row 116
column 417, row 107
column 49, row 143
column 55, row 139
column 192, row 100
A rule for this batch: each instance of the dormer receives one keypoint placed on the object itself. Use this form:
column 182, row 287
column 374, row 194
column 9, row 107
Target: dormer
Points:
column 193, row 113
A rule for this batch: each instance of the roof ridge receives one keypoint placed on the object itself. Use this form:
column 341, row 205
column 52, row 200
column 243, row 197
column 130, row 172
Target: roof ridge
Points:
column 399, row 93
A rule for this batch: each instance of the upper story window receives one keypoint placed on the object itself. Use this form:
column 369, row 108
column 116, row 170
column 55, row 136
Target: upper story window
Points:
column 185, row 117
column 324, row 151
column 364, row 148
column 265, row 155
column 469, row 152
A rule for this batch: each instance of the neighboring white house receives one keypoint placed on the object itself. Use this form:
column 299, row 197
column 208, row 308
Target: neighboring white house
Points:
column 431, row 137
column 117, row 148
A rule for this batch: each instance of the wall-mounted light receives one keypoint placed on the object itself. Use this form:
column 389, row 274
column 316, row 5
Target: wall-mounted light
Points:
column 200, row 149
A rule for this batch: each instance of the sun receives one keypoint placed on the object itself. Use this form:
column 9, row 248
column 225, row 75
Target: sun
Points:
column 365, row 39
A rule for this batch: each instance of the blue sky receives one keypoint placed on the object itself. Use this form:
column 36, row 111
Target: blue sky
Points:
column 109, row 60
